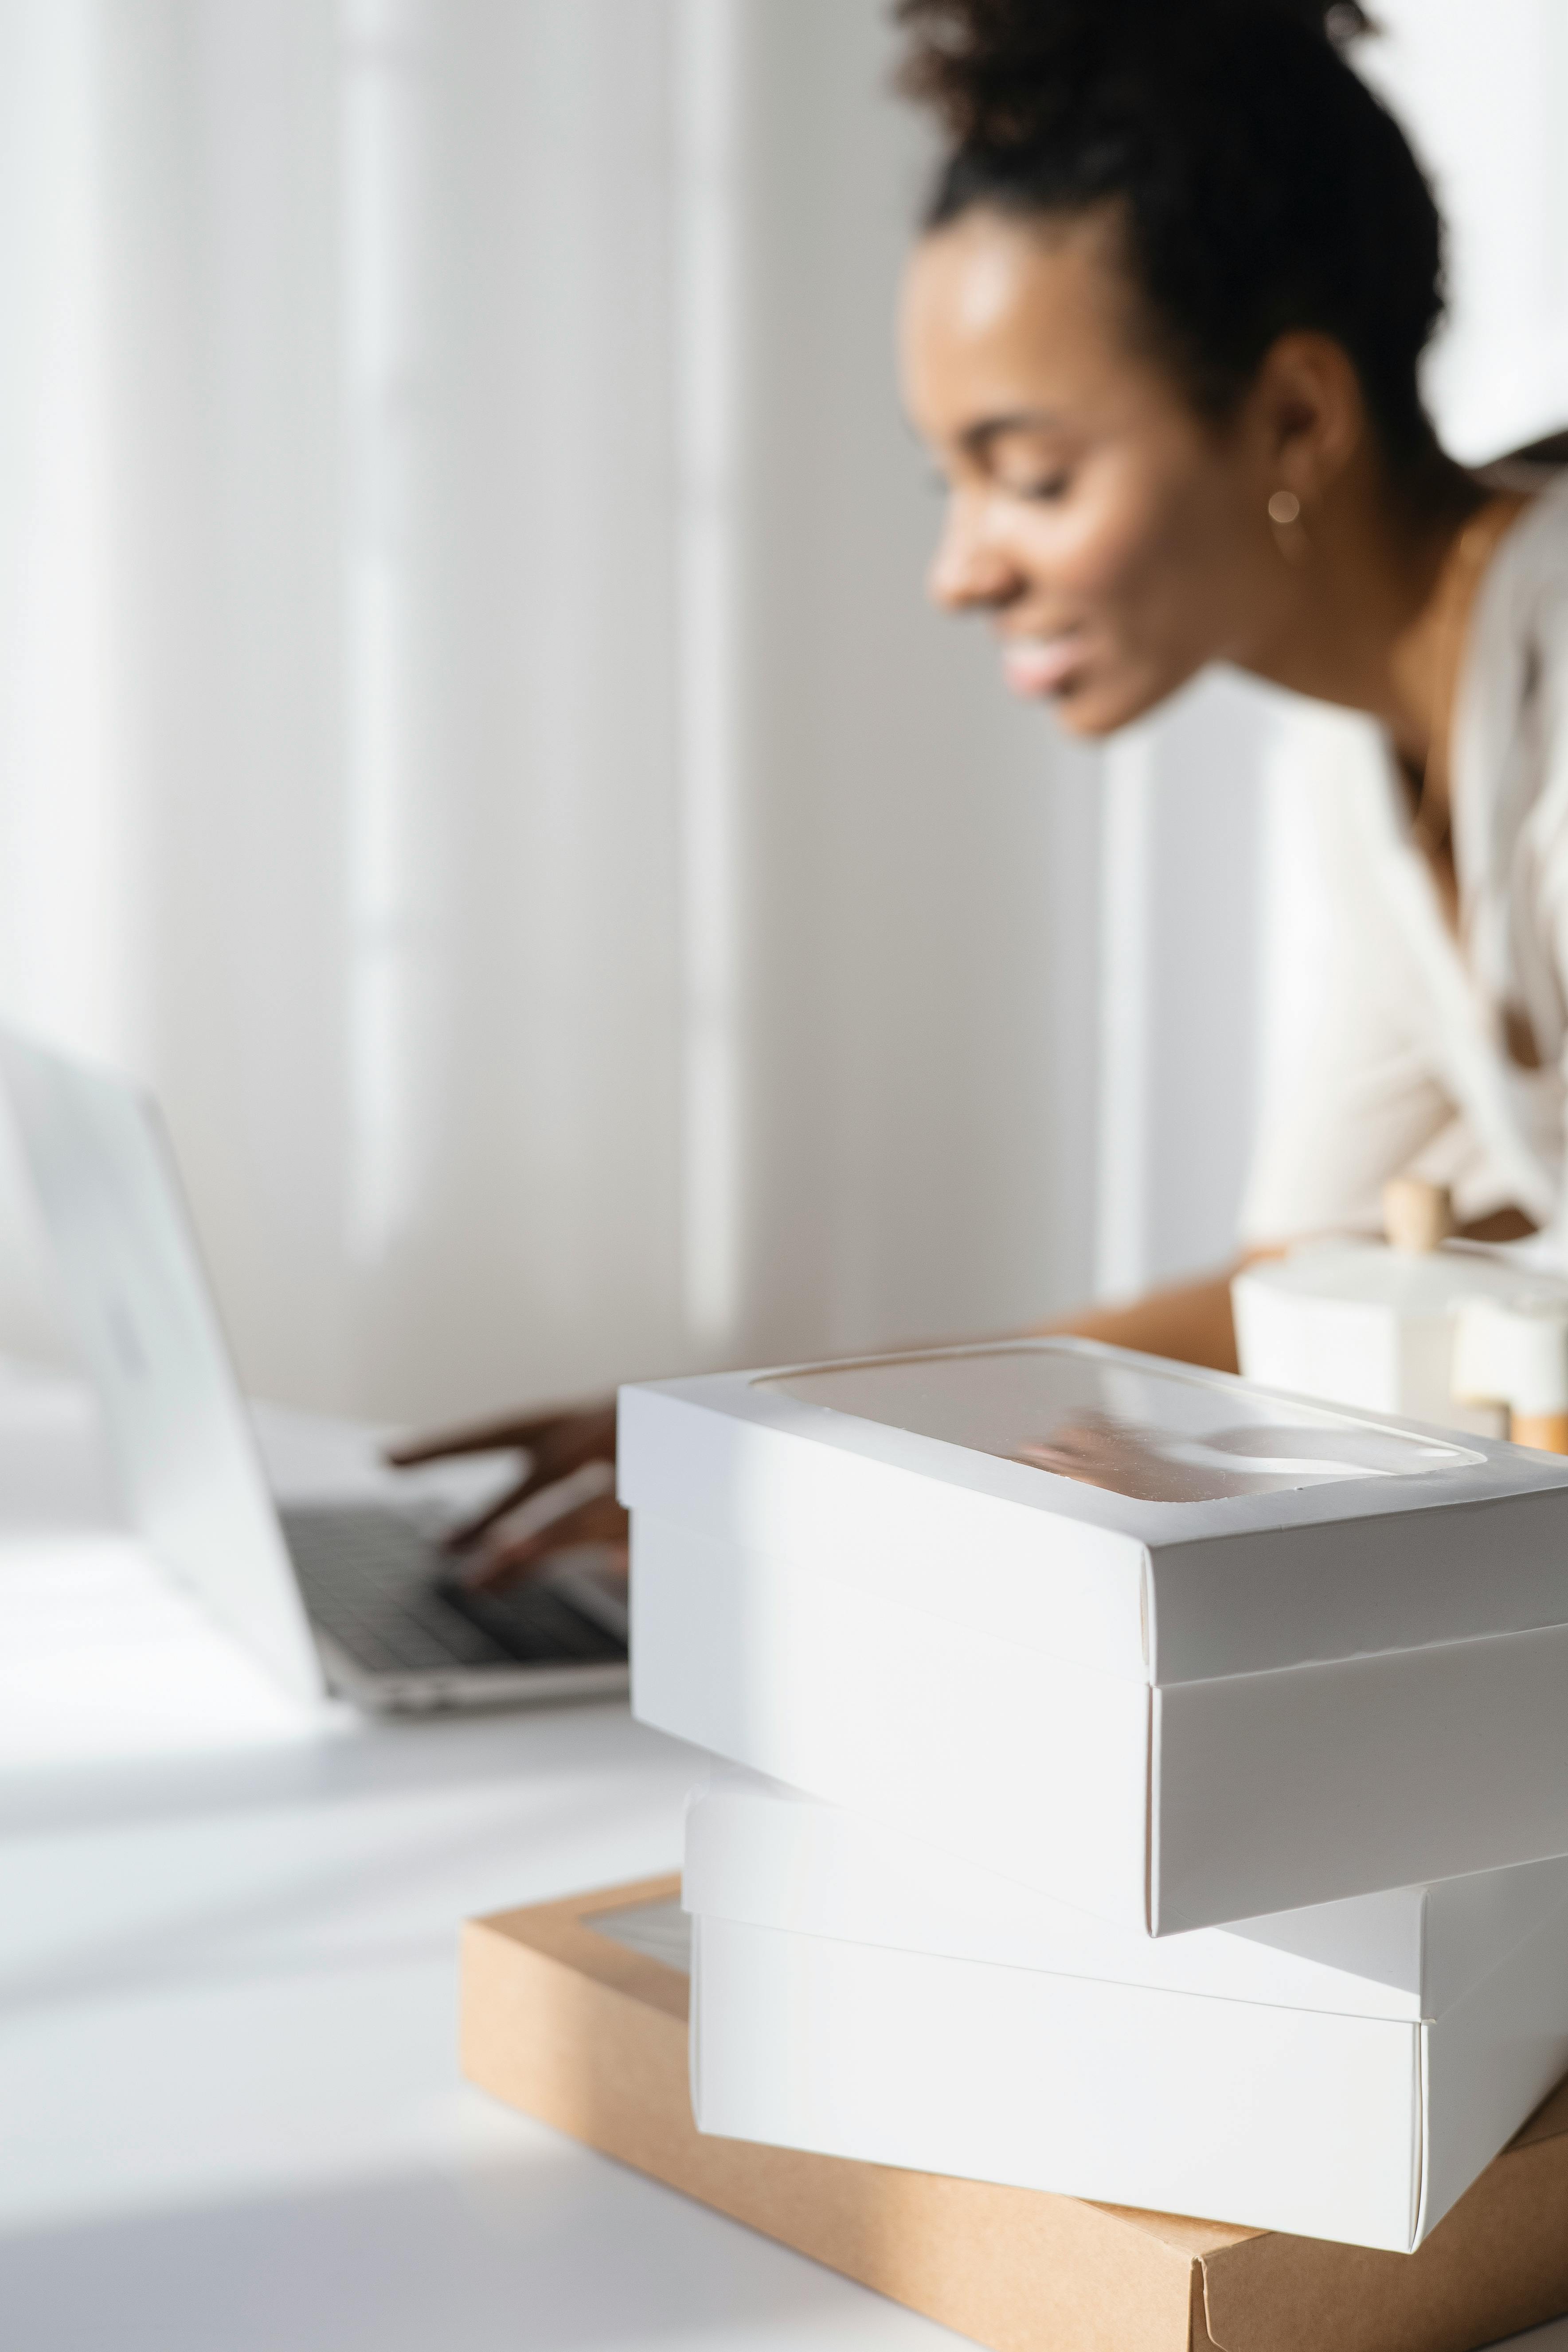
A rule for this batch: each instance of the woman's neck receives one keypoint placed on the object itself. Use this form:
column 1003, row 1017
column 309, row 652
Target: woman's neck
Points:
column 1370, row 623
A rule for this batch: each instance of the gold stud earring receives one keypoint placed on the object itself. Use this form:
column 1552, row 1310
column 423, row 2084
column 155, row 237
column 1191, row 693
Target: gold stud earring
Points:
column 1285, row 514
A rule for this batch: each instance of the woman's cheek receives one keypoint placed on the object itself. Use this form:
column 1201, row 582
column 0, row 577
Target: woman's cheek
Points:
column 1104, row 555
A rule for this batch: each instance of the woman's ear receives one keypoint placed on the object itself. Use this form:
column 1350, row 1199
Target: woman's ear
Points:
column 1308, row 414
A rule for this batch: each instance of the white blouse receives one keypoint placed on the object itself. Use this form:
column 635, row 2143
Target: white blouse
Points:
column 1401, row 1062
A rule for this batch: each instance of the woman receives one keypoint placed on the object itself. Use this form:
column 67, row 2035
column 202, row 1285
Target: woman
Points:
column 1162, row 332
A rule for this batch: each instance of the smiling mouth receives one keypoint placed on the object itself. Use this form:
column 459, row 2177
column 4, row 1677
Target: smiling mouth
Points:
column 1042, row 664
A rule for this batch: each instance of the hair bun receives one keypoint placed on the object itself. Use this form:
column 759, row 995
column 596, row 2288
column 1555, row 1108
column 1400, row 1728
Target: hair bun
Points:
column 987, row 67
column 1256, row 183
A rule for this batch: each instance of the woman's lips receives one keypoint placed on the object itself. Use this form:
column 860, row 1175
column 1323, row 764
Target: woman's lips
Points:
column 1042, row 664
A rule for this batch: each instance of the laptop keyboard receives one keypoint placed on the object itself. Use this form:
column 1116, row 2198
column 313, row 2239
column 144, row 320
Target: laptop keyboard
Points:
column 376, row 1583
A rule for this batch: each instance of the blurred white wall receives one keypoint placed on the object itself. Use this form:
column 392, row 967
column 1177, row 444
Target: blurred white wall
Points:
column 470, row 731
column 1483, row 94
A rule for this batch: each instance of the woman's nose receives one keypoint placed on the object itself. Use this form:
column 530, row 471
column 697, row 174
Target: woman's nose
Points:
column 969, row 569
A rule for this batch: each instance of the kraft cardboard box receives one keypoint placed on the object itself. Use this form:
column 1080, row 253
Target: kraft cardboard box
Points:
column 857, row 1994
column 563, row 2020
column 1152, row 1641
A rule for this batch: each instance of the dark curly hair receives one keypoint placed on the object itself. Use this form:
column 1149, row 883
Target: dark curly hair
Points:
column 1261, row 184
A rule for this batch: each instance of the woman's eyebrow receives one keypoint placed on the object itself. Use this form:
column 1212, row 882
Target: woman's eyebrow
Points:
column 975, row 440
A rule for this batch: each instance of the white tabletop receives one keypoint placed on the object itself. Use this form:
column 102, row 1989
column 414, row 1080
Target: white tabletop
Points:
column 230, row 2116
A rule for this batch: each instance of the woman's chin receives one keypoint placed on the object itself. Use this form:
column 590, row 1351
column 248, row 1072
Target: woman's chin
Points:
column 1092, row 707
column 1090, row 716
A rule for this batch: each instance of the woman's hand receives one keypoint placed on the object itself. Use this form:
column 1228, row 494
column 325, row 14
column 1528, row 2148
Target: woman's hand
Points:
column 568, row 1475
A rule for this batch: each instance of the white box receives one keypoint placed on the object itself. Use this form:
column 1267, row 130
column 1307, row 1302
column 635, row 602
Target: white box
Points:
column 768, row 1857
column 1358, row 1324
column 857, row 1996
column 1338, row 1666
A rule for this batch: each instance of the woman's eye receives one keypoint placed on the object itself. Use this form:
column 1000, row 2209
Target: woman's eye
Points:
column 1044, row 486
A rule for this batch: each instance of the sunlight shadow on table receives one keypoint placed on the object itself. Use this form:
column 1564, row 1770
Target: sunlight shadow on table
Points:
column 554, row 2251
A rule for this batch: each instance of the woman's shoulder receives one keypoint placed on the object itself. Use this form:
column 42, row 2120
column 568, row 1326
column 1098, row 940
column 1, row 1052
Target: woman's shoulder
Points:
column 1518, row 631
column 1535, row 549
column 1511, row 740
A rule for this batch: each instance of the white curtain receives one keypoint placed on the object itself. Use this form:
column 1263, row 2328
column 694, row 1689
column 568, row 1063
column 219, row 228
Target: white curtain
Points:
column 470, row 734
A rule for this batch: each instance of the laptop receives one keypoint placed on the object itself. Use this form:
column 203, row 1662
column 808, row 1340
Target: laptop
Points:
column 357, row 1597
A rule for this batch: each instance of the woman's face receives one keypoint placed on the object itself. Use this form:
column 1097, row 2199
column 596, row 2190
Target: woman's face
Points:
column 1119, row 541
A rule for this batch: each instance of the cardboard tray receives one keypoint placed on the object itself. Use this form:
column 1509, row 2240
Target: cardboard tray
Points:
column 590, row 2037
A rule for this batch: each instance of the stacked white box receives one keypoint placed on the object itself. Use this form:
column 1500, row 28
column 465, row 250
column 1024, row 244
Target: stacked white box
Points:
column 855, row 1994
column 1159, row 1648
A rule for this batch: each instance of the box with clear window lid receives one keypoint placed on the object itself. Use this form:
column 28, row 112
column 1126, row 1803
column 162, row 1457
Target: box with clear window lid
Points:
column 1166, row 1646
column 1344, row 2072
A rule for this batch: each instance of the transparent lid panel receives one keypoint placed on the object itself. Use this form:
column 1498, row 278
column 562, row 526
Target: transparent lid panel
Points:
column 1166, row 1436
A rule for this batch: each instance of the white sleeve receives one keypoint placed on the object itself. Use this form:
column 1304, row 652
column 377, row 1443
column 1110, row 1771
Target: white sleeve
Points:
column 1350, row 1095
